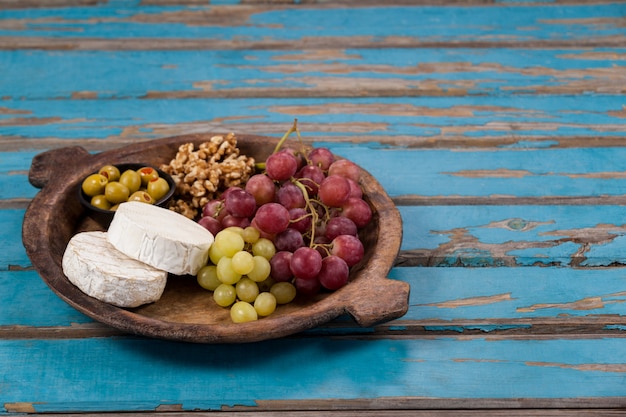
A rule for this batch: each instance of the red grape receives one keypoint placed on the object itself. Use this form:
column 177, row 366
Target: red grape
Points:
column 334, row 191
column 334, row 273
column 358, row 211
column 228, row 191
column 215, row 209
column 262, row 188
column 311, row 176
column 340, row 226
column 307, row 287
column 345, row 168
column 281, row 166
column 211, row 224
column 355, row 189
column 279, row 264
column 234, row 221
column 262, row 233
column 300, row 159
column 290, row 196
column 321, row 157
column 349, row 248
column 300, row 219
column 272, row 218
column 306, row 263
column 288, row 240
column 240, row 203
column 321, row 245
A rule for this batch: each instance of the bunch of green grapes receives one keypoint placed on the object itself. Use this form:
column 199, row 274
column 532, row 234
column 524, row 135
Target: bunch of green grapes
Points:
column 238, row 274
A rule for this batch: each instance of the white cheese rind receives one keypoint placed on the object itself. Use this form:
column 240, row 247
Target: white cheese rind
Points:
column 99, row 270
column 160, row 237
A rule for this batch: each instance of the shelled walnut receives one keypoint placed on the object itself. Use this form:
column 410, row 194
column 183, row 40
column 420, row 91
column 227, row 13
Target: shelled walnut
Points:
column 200, row 175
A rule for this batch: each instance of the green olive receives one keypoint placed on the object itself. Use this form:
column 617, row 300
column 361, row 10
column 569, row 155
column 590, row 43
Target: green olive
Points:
column 131, row 179
column 116, row 192
column 147, row 174
column 94, row 184
column 111, row 172
column 100, row 201
column 142, row 197
column 158, row 188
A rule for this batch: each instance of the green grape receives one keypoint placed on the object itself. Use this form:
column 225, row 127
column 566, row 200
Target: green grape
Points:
column 229, row 242
column 242, row 312
column 224, row 295
column 225, row 271
column 265, row 304
column 215, row 254
column 266, row 284
column 247, row 290
column 242, row 262
column 284, row 292
column 207, row 277
column 236, row 229
column 261, row 269
column 250, row 234
column 264, row 247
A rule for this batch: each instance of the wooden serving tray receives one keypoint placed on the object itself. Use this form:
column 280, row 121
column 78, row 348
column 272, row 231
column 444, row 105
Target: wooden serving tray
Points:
column 186, row 312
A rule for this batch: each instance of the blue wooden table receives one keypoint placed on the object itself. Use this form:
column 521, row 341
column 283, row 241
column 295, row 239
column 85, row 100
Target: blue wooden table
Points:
column 498, row 128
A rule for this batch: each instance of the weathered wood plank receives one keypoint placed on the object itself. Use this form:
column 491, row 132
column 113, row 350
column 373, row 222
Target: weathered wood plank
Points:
column 124, row 27
column 12, row 253
column 451, row 410
column 473, row 236
column 433, row 174
column 428, row 122
column 151, row 375
column 310, row 73
column 526, row 303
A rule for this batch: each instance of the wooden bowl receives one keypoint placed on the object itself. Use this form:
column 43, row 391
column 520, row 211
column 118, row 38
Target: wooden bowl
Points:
column 185, row 312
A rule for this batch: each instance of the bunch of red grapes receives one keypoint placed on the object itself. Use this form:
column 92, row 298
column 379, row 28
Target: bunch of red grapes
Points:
column 311, row 206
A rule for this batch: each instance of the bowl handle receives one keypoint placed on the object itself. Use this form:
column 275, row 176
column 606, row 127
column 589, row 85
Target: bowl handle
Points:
column 387, row 300
column 45, row 164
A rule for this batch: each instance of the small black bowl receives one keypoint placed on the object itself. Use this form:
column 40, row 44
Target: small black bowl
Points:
column 104, row 217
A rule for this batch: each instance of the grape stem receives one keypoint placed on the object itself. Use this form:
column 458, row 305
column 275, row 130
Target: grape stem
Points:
column 305, row 193
column 312, row 210
column 292, row 129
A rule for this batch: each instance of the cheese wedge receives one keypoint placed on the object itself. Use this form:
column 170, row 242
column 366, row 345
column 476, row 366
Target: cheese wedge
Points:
column 160, row 238
column 99, row 270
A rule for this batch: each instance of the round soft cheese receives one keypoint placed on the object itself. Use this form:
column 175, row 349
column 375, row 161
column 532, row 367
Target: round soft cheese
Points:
column 99, row 270
column 160, row 237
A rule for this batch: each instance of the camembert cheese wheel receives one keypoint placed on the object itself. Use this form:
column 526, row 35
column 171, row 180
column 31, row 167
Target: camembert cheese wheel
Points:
column 160, row 238
column 99, row 270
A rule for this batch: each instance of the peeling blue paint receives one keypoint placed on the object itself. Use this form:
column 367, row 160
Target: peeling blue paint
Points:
column 103, row 118
column 107, row 73
column 518, row 293
column 201, row 377
column 514, row 22
column 12, row 251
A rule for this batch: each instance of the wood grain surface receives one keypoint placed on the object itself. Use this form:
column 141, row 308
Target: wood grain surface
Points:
column 496, row 128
